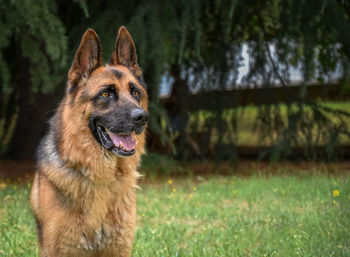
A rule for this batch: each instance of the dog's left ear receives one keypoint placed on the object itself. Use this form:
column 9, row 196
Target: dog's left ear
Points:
column 124, row 52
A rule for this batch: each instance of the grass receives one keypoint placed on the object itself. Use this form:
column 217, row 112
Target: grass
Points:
column 282, row 215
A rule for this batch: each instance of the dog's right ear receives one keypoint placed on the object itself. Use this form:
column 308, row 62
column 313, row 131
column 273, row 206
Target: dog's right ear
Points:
column 124, row 52
column 87, row 58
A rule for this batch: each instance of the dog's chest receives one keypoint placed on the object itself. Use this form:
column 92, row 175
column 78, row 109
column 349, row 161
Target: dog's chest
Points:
column 97, row 239
column 100, row 222
column 92, row 236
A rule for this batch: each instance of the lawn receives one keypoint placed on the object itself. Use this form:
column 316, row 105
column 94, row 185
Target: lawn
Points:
column 304, row 214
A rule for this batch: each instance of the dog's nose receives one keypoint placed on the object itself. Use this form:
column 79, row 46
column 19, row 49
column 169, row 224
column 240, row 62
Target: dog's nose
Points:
column 139, row 116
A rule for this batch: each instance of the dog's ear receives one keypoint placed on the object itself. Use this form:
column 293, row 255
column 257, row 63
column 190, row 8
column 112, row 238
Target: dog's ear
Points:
column 87, row 58
column 124, row 52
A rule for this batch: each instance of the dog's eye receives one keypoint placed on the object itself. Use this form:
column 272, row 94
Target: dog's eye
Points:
column 135, row 93
column 105, row 94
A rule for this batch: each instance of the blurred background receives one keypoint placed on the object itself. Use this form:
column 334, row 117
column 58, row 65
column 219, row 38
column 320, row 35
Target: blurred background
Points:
column 228, row 80
column 248, row 149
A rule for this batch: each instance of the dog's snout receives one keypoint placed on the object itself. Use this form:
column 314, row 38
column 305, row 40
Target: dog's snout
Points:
column 139, row 116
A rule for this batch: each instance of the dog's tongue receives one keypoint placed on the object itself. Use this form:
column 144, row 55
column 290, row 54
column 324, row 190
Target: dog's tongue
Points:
column 127, row 141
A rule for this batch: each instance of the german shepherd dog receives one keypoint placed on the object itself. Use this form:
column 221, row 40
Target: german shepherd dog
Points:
column 83, row 194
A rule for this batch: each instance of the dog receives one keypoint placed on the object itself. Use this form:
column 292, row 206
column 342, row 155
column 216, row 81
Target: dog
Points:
column 83, row 193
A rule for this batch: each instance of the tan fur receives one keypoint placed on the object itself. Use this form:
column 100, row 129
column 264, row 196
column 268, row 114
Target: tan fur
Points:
column 85, row 202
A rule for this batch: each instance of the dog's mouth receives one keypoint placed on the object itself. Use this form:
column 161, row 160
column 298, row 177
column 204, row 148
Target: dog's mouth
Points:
column 119, row 144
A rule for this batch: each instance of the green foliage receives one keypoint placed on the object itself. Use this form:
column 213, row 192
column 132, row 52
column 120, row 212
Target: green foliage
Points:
column 33, row 28
column 203, row 39
column 285, row 131
column 154, row 165
column 83, row 5
column 157, row 113
column 303, row 126
column 303, row 36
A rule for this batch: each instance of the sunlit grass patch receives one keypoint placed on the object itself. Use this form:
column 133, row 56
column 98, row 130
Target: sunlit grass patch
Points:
column 17, row 229
column 297, row 215
column 229, row 216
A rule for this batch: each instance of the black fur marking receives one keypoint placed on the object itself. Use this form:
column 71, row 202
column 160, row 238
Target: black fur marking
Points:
column 92, row 126
column 138, row 78
column 84, row 97
column 117, row 73
column 141, row 81
column 39, row 231
column 73, row 99
column 100, row 103
column 93, row 69
column 73, row 87
column 73, row 91
column 133, row 87
column 119, row 120
column 56, row 128
column 104, row 102
column 47, row 151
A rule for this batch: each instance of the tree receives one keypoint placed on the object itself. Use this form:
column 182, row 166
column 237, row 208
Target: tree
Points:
column 33, row 46
column 203, row 39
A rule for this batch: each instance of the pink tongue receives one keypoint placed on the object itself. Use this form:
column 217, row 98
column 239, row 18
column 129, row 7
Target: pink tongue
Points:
column 127, row 141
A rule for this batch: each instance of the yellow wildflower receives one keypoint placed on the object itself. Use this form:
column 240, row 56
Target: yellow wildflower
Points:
column 190, row 196
column 170, row 181
column 335, row 193
column 174, row 190
column 194, row 188
column 3, row 185
column 234, row 192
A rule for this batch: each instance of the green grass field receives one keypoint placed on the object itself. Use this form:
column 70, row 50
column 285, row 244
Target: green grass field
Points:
column 305, row 214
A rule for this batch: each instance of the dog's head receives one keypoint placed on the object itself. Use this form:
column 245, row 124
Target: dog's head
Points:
column 112, row 99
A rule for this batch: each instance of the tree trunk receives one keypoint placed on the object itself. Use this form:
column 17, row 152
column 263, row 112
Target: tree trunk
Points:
column 9, row 109
column 34, row 112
